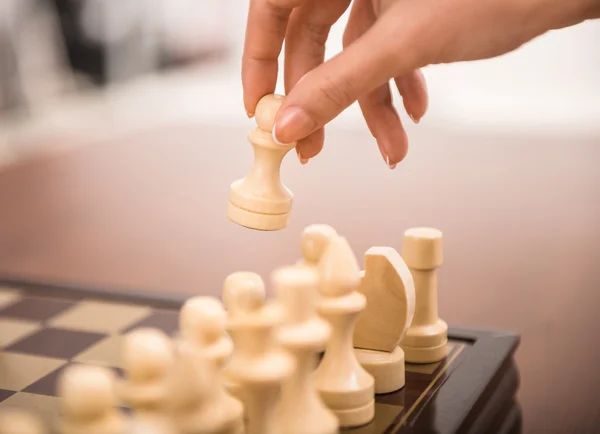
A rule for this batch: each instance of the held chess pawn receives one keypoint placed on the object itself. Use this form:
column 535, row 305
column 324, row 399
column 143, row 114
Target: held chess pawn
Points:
column 426, row 339
column 260, row 200
column 304, row 335
column 88, row 401
column 344, row 385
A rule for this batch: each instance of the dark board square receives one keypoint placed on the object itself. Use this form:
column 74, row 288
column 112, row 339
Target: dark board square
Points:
column 36, row 309
column 47, row 385
column 57, row 343
column 5, row 394
column 165, row 320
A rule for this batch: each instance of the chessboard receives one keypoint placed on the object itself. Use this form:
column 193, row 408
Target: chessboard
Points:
column 46, row 329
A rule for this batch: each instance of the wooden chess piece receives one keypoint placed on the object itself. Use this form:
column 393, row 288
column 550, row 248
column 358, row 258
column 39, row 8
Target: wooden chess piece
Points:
column 344, row 385
column 303, row 334
column 315, row 239
column 426, row 340
column 17, row 421
column 260, row 200
column 243, row 294
column 389, row 289
column 89, row 401
column 147, row 361
column 202, row 321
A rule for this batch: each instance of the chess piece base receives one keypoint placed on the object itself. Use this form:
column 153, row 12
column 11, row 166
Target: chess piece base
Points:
column 430, row 335
column 386, row 368
column 261, row 222
column 355, row 417
column 425, row 354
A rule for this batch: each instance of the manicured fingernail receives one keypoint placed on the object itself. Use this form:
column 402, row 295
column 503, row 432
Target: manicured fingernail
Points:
column 301, row 158
column 414, row 119
column 250, row 115
column 390, row 165
column 274, row 134
column 295, row 124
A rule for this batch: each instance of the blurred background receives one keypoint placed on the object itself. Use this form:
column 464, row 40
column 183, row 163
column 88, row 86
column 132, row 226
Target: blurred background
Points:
column 122, row 125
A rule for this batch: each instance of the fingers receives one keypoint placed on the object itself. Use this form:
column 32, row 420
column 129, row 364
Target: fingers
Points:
column 307, row 32
column 413, row 89
column 366, row 64
column 265, row 32
column 385, row 125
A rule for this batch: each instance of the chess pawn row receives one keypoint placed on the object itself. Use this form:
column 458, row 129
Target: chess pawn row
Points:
column 260, row 200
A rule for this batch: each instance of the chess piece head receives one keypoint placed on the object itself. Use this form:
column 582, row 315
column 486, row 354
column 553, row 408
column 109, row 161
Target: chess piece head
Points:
column 86, row 391
column 260, row 200
column 203, row 320
column 314, row 241
column 146, row 354
column 296, row 291
column 422, row 248
column 339, row 271
column 18, row 421
column 243, row 292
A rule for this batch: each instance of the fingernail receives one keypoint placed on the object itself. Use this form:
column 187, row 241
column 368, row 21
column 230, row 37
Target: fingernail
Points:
column 295, row 124
column 301, row 158
column 392, row 166
column 274, row 134
column 250, row 115
column 414, row 119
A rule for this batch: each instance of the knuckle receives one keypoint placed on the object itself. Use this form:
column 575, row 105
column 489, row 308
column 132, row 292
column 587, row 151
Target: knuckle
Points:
column 336, row 92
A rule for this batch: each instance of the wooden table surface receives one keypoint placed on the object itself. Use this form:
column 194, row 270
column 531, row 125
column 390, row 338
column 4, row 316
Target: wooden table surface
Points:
column 521, row 219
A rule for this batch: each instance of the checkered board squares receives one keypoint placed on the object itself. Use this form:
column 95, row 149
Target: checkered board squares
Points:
column 41, row 336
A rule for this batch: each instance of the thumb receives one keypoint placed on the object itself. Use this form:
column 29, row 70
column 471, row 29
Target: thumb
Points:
column 324, row 92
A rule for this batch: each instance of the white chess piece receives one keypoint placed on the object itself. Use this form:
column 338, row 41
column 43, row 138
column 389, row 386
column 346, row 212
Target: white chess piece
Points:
column 147, row 360
column 344, row 385
column 243, row 293
column 199, row 404
column 260, row 200
column 313, row 243
column 18, row 421
column 304, row 335
column 259, row 367
column 202, row 320
column 89, row 402
column 426, row 340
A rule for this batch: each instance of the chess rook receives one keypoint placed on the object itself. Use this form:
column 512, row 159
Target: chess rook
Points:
column 426, row 339
column 344, row 385
column 260, row 201
column 304, row 335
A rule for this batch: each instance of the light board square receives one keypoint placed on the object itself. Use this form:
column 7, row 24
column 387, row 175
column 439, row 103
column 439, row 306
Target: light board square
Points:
column 45, row 407
column 107, row 353
column 11, row 330
column 101, row 317
column 8, row 296
column 17, row 371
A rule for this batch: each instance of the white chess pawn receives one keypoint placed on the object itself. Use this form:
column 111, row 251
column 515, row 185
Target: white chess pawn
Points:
column 260, row 200
column 313, row 243
column 202, row 320
column 17, row 421
column 259, row 367
column 304, row 335
column 89, row 402
column 344, row 385
column 243, row 294
column 426, row 340
column 147, row 359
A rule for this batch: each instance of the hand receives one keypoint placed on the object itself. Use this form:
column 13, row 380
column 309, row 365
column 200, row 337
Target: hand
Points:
column 383, row 40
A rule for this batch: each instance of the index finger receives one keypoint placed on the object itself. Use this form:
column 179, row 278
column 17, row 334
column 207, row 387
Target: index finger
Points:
column 265, row 32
